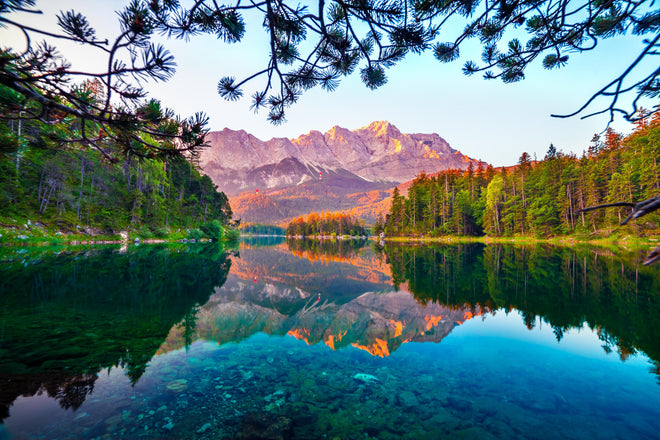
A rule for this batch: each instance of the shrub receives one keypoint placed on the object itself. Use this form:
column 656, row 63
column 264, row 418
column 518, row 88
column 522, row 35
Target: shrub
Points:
column 195, row 234
column 162, row 232
column 212, row 230
column 233, row 234
column 145, row 232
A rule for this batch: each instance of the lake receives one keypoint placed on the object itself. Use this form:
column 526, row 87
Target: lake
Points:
column 296, row 339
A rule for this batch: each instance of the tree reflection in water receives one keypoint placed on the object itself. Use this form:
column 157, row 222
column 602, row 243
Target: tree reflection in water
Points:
column 566, row 287
column 65, row 316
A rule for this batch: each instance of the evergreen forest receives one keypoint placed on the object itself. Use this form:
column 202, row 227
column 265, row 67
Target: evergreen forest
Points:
column 75, row 190
column 74, row 162
column 538, row 197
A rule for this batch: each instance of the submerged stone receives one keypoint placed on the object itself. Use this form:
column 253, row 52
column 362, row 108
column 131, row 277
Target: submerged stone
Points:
column 178, row 385
column 82, row 415
column 204, row 428
column 459, row 404
column 408, row 399
column 365, row 378
column 264, row 426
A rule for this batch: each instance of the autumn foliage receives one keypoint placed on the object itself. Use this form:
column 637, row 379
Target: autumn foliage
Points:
column 325, row 224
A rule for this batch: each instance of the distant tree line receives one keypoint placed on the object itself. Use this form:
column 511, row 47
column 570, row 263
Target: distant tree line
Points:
column 325, row 224
column 262, row 229
column 537, row 198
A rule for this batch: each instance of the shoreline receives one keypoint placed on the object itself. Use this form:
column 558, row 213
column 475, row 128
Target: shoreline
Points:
column 40, row 236
column 627, row 243
column 26, row 233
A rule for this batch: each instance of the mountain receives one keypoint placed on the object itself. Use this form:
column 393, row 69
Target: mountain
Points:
column 272, row 181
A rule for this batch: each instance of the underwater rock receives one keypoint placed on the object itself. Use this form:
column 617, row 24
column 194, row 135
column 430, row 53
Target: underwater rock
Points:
column 178, row 385
column 267, row 427
column 408, row 399
column 459, row 404
column 440, row 418
column 365, row 378
column 113, row 420
column 82, row 415
column 274, row 395
column 475, row 432
column 204, row 428
column 276, row 399
column 543, row 405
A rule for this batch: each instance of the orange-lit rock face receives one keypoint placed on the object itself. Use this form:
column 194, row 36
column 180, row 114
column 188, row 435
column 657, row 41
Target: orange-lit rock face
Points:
column 398, row 327
column 377, row 348
column 468, row 315
column 432, row 321
column 331, row 340
column 300, row 334
column 430, row 154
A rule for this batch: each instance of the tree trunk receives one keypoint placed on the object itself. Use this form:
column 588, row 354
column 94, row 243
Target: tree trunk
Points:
column 82, row 178
column 46, row 200
column 89, row 199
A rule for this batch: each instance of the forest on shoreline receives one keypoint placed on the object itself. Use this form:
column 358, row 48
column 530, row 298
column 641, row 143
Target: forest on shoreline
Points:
column 74, row 192
column 541, row 198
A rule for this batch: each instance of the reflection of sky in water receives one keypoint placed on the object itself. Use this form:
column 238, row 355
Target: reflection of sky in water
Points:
column 510, row 326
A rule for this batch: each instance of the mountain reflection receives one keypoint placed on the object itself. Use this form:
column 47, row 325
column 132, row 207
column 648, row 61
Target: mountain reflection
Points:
column 378, row 322
column 334, row 292
column 65, row 316
column 377, row 300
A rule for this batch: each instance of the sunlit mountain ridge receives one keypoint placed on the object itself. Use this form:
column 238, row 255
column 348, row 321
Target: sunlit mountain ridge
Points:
column 342, row 169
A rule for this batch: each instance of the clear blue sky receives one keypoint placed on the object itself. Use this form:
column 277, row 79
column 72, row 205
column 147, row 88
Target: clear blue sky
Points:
column 487, row 120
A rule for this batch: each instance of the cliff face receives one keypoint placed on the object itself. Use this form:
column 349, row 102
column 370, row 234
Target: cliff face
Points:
column 319, row 171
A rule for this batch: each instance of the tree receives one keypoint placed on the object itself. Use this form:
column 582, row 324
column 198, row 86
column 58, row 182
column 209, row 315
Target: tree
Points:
column 105, row 110
column 310, row 48
column 375, row 35
column 379, row 226
column 212, row 230
column 492, row 214
column 395, row 221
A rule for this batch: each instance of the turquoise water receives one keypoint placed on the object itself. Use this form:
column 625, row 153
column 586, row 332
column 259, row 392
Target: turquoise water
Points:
column 284, row 341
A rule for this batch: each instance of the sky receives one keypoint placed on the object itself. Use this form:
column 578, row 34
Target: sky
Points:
column 486, row 120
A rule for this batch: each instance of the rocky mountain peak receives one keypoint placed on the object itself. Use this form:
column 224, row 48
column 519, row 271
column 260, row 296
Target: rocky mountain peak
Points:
column 237, row 161
column 382, row 128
